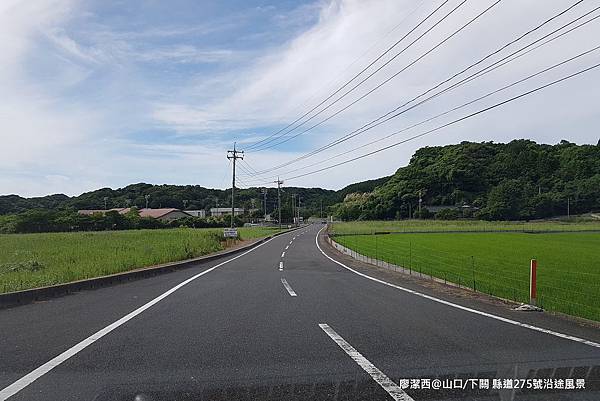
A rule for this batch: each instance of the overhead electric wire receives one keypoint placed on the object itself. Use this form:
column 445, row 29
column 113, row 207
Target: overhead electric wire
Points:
column 449, row 123
column 354, row 77
column 263, row 147
column 477, row 74
column 449, row 111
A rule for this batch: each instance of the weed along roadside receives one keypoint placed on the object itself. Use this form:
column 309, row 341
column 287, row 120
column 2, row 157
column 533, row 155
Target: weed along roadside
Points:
column 41, row 260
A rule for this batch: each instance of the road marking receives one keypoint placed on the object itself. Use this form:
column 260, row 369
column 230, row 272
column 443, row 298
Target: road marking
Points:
column 293, row 238
column 385, row 382
column 35, row 374
column 280, row 266
column 283, row 254
column 291, row 242
column 288, row 287
column 286, row 248
column 465, row 308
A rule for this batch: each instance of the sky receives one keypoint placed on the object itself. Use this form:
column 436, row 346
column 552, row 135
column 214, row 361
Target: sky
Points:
column 105, row 93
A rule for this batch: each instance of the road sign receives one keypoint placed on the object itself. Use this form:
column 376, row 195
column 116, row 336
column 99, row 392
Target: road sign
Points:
column 230, row 232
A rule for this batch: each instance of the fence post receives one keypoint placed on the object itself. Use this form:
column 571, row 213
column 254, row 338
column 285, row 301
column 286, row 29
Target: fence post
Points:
column 533, row 283
column 473, row 270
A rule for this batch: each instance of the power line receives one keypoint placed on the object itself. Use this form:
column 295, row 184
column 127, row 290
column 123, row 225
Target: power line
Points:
column 477, row 74
column 268, row 139
column 264, row 147
column 450, row 123
column 450, row 110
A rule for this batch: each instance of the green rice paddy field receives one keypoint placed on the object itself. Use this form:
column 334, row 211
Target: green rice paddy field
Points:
column 568, row 256
column 36, row 260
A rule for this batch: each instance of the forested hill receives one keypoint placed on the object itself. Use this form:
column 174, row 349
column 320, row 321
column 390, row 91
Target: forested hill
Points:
column 517, row 180
column 184, row 196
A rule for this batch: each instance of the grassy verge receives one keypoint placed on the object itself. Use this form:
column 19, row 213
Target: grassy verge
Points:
column 36, row 260
column 498, row 262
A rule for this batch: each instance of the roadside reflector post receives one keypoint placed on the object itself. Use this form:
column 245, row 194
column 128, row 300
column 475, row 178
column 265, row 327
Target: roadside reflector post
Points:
column 533, row 283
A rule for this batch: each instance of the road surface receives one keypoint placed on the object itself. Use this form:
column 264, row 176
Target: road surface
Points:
column 286, row 321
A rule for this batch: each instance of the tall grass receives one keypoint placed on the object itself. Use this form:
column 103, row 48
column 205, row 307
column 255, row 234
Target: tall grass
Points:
column 35, row 260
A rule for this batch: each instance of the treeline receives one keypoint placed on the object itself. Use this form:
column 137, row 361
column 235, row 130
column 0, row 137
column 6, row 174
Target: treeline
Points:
column 191, row 197
column 39, row 221
column 520, row 180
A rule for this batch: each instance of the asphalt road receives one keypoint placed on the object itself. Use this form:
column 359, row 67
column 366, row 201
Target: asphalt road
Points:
column 285, row 322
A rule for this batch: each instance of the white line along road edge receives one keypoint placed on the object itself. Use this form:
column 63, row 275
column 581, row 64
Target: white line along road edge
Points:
column 29, row 378
column 385, row 382
column 288, row 287
column 467, row 309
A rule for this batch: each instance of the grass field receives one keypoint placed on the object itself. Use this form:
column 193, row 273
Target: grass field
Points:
column 495, row 262
column 35, row 260
column 369, row 227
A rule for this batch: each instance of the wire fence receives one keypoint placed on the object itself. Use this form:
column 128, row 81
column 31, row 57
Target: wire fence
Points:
column 573, row 288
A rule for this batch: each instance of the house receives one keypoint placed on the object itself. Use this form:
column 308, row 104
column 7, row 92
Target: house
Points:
column 167, row 214
column 222, row 211
column 196, row 213
column 89, row 212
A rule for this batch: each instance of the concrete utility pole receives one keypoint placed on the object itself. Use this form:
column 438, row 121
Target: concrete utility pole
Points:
column 279, row 182
column 568, row 208
column 147, row 197
column 234, row 155
column 264, row 192
column 298, row 210
column 293, row 207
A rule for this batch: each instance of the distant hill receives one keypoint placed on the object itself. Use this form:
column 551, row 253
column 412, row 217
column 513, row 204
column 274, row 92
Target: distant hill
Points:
column 184, row 197
column 514, row 181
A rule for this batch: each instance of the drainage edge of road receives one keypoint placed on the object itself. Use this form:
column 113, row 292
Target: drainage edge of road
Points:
column 23, row 297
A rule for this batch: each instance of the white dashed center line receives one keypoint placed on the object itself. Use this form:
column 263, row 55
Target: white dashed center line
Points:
column 283, row 254
column 286, row 248
column 385, row 382
column 288, row 287
column 280, row 266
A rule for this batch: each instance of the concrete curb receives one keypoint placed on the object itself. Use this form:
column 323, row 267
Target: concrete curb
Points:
column 23, row 297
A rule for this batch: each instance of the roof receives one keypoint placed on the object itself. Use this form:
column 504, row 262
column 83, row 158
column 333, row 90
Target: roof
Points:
column 158, row 213
column 120, row 210
column 225, row 209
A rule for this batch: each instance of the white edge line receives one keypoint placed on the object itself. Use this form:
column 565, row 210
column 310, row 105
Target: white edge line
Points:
column 288, row 287
column 465, row 308
column 385, row 382
column 35, row 374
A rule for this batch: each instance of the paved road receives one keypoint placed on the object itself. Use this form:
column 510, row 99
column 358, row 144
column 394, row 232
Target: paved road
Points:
column 282, row 321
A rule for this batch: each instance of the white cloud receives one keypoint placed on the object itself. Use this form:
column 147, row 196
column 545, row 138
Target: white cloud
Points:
column 72, row 98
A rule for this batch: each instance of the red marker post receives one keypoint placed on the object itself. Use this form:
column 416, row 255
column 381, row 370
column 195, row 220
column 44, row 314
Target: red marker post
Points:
column 533, row 283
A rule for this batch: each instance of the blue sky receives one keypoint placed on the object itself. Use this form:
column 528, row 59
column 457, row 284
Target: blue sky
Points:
column 108, row 93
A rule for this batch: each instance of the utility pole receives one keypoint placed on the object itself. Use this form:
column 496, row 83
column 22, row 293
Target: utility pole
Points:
column 568, row 208
column 279, row 182
column 321, row 214
column 420, row 201
column 105, row 202
column 264, row 192
column 298, row 210
column 293, row 207
column 234, row 155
